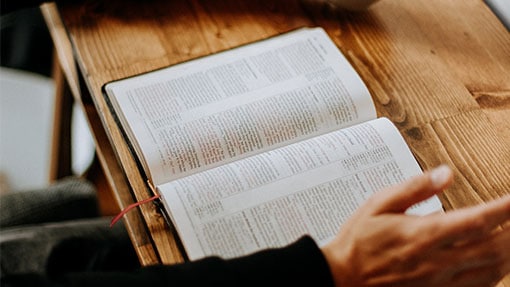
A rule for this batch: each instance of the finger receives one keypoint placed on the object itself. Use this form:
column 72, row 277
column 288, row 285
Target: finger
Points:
column 486, row 263
column 484, row 276
column 400, row 197
column 468, row 224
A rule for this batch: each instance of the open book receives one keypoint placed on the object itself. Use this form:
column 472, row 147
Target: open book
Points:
column 256, row 146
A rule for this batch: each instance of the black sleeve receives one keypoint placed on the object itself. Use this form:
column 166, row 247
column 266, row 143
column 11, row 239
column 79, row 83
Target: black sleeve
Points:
column 299, row 264
column 7, row 6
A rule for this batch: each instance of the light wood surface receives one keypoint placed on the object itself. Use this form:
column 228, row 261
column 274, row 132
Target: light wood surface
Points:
column 439, row 69
column 104, row 150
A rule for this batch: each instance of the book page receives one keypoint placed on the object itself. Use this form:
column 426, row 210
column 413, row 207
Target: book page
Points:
column 273, row 198
column 208, row 111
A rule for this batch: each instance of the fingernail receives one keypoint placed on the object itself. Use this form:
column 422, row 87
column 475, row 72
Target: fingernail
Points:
column 440, row 176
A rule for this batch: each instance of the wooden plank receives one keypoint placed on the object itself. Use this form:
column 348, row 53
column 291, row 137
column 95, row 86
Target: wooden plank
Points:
column 444, row 85
column 386, row 44
column 469, row 143
column 113, row 172
column 104, row 61
column 176, row 30
column 477, row 152
column 64, row 51
column 60, row 154
column 152, row 228
column 470, row 41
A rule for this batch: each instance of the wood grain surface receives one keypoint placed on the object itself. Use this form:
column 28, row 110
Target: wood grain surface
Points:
column 438, row 69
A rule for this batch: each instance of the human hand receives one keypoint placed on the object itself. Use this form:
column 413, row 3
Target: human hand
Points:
column 380, row 245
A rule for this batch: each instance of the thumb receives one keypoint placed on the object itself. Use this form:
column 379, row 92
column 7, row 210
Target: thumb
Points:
column 400, row 197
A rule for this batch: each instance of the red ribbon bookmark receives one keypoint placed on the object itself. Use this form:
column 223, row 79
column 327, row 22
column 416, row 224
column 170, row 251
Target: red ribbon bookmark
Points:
column 131, row 206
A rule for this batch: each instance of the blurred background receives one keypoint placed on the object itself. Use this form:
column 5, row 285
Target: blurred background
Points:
column 27, row 101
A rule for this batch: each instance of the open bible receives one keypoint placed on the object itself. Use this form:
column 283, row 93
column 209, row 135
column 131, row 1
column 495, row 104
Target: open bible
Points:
column 256, row 146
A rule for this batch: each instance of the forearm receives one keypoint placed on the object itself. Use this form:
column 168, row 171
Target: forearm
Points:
column 300, row 264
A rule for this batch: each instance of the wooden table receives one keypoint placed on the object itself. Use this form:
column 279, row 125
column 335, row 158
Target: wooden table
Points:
column 439, row 69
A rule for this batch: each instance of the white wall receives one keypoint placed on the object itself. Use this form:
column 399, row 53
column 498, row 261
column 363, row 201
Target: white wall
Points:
column 26, row 109
column 26, row 115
